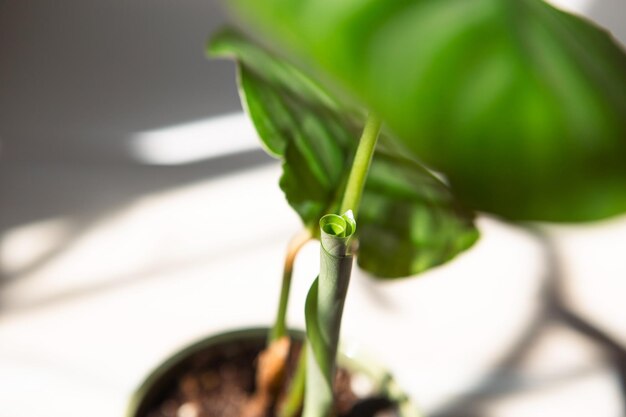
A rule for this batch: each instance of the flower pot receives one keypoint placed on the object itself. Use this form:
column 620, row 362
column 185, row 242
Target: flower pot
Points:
column 373, row 388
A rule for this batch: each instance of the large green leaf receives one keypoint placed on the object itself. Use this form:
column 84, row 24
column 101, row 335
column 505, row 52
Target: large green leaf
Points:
column 409, row 219
column 520, row 105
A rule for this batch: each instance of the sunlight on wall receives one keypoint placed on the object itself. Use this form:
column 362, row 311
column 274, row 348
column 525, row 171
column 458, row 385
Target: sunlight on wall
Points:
column 23, row 246
column 592, row 256
column 194, row 224
column 206, row 256
column 195, row 141
column 576, row 6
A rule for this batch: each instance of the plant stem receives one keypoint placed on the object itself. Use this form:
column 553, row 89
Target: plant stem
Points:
column 325, row 300
column 293, row 248
column 351, row 200
column 360, row 165
column 323, row 311
column 295, row 395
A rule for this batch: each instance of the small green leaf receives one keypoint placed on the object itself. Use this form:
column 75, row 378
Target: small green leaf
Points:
column 297, row 121
column 520, row 105
column 315, row 135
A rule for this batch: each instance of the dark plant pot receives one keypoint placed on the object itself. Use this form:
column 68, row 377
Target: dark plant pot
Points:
column 248, row 342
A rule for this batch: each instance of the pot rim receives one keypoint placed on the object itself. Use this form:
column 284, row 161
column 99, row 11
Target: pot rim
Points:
column 351, row 356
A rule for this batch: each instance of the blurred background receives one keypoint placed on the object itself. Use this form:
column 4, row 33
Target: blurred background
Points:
column 138, row 213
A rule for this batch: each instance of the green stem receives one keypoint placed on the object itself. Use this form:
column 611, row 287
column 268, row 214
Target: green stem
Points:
column 295, row 395
column 323, row 311
column 325, row 300
column 360, row 165
column 295, row 244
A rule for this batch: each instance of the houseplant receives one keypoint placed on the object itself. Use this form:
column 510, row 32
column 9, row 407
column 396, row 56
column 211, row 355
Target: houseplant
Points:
column 518, row 107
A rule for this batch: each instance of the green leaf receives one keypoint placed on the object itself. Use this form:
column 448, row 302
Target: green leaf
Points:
column 409, row 213
column 520, row 105
column 297, row 121
column 315, row 135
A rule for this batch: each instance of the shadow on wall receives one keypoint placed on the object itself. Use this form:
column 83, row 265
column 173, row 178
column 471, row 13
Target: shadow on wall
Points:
column 88, row 73
column 79, row 79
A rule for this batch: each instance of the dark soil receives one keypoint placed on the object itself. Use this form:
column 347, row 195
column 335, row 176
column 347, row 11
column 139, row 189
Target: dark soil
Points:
column 218, row 381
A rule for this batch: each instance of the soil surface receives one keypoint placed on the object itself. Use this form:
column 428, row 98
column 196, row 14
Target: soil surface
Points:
column 219, row 381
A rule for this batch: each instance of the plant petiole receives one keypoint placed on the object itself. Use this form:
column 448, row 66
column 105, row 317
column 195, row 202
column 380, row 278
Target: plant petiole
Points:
column 293, row 248
column 360, row 165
